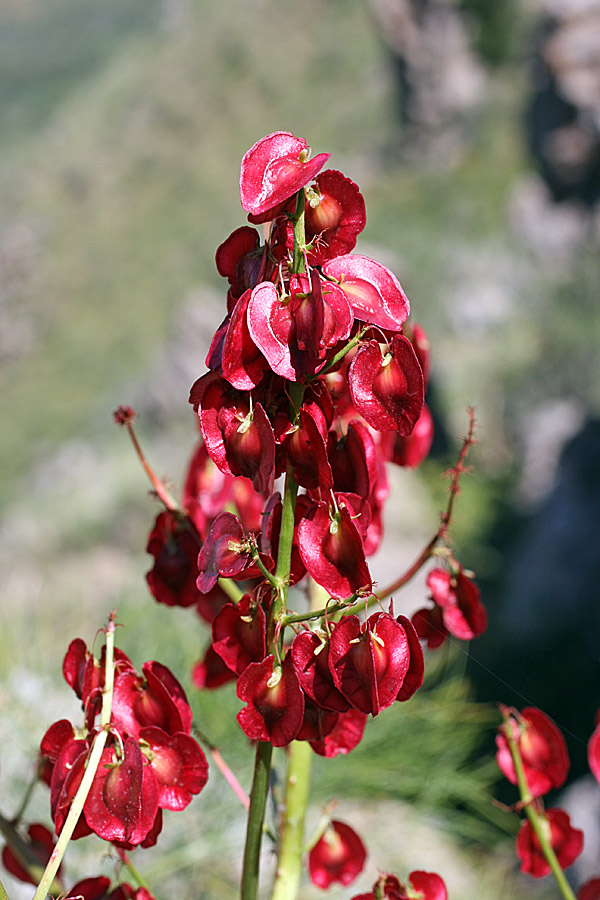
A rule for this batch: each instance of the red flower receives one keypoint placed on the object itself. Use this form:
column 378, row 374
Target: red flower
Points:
column 567, row 843
column 387, row 390
column 275, row 702
column 369, row 662
column 421, row 885
column 331, row 548
column 373, row 292
column 178, row 764
column 334, row 216
column 275, row 169
column 410, row 451
column 542, row 748
column 339, row 855
column 239, row 634
column 458, row 597
column 174, row 546
column 123, row 800
column 344, row 737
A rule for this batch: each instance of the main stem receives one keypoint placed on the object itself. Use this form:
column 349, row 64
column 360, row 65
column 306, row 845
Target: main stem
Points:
column 256, row 815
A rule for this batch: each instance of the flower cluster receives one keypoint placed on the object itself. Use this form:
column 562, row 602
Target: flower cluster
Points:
column 532, row 753
column 314, row 374
column 150, row 761
column 421, row 886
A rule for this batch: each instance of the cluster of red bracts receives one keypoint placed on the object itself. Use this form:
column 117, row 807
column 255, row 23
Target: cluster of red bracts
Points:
column 150, row 761
column 545, row 763
column 421, row 885
column 328, row 682
column 310, row 374
column 334, row 333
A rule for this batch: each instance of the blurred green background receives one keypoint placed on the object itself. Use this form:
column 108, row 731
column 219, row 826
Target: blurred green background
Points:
column 122, row 126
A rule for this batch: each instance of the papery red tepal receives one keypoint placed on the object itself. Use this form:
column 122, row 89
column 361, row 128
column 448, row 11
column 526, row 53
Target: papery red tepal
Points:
column 239, row 634
column 338, row 856
column 178, row 763
column 374, row 293
column 275, row 702
column 332, row 551
column 344, row 737
column 310, row 655
column 334, row 215
column 387, row 389
column 459, row 598
column 275, row 169
column 174, row 545
column 369, row 662
column 222, row 553
column 123, row 800
column 566, row 841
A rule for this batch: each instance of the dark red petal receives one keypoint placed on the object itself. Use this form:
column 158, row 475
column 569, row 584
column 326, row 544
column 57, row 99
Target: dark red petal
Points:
column 123, row 799
column 416, row 669
column 239, row 634
column 275, row 702
column 346, row 735
column 332, row 551
column 310, row 655
column 594, row 754
column 387, row 391
column 242, row 364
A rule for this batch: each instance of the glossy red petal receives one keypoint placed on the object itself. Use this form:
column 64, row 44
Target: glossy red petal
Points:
column 123, row 800
column 594, row 754
column 543, row 752
column 179, row 765
column 338, row 856
column 274, row 169
column 374, row 293
column 334, row 222
column 239, row 634
column 310, row 655
column 332, row 551
column 242, row 363
column 429, row 884
column 387, row 390
column 275, row 702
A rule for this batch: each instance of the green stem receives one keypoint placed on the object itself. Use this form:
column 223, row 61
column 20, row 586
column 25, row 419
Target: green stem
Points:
column 229, row 587
column 3, row 894
column 286, row 538
column 538, row 820
column 289, row 864
column 93, row 762
column 298, row 263
column 256, row 815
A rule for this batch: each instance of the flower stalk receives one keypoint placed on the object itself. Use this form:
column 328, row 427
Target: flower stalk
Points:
column 538, row 820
